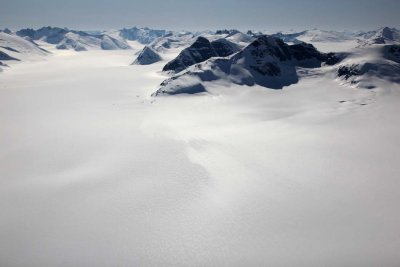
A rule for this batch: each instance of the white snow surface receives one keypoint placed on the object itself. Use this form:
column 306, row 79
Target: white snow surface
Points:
column 95, row 172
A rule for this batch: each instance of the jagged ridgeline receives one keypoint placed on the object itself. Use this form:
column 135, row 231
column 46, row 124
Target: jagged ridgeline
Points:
column 201, row 50
column 65, row 38
column 267, row 61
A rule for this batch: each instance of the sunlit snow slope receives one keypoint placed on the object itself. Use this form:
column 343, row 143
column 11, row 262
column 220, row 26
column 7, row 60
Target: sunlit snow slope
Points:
column 95, row 172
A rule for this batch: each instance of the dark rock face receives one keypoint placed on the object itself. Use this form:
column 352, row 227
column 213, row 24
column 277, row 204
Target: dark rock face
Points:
column 222, row 32
column 305, row 51
column 388, row 33
column 270, row 69
column 26, row 33
column 10, row 49
column 269, row 49
column 349, row 71
column 267, row 61
column 4, row 56
column 224, row 48
column 332, row 59
column 225, row 31
column 7, row 30
column 201, row 50
column 378, row 40
column 263, row 47
column 392, row 52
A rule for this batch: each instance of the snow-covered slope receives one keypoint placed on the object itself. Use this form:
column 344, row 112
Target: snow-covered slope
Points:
column 172, row 41
column 95, row 173
column 375, row 60
column 147, row 56
column 239, row 38
column 367, row 66
column 64, row 38
column 201, row 50
column 51, row 35
column 15, row 48
column 78, row 42
column 267, row 61
column 317, row 35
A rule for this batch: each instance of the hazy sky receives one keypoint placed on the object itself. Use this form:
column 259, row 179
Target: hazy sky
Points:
column 201, row 14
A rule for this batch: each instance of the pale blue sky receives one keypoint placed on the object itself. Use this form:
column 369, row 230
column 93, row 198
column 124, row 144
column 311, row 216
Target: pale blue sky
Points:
column 198, row 15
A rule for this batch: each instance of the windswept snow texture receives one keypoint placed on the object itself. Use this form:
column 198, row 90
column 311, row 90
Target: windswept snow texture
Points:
column 201, row 50
column 96, row 173
column 267, row 61
column 147, row 56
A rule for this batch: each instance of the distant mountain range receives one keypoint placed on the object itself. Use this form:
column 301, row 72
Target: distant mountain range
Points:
column 272, row 60
column 15, row 48
column 64, row 38
column 267, row 59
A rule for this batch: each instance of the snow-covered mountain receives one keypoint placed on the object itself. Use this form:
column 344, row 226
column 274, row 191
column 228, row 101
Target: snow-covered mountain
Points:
column 51, row 35
column 289, row 37
column 15, row 48
column 376, row 55
column 64, row 38
column 315, row 36
column 383, row 35
column 147, row 56
column 142, row 35
column 368, row 65
column 6, row 30
column 267, row 61
column 181, row 40
column 376, row 59
column 201, row 50
column 240, row 38
column 172, row 40
column 235, row 36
